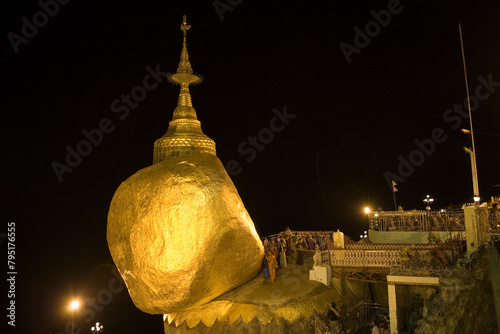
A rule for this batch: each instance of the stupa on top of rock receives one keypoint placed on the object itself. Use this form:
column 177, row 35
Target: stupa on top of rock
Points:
column 178, row 231
column 184, row 136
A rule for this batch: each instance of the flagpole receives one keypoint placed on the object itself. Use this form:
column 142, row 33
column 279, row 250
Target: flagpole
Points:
column 394, row 194
column 472, row 153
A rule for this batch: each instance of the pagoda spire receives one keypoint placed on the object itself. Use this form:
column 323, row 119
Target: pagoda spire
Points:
column 184, row 64
column 184, row 77
column 184, row 135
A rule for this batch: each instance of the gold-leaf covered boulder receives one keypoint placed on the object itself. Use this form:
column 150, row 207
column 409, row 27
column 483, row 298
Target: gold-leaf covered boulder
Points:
column 180, row 234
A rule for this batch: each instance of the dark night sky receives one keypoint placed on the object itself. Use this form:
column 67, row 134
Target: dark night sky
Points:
column 353, row 121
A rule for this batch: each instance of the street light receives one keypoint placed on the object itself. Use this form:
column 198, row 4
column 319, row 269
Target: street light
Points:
column 475, row 186
column 98, row 328
column 428, row 200
column 74, row 305
column 367, row 212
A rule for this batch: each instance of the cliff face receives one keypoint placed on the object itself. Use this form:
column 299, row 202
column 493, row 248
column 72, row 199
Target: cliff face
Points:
column 461, row 304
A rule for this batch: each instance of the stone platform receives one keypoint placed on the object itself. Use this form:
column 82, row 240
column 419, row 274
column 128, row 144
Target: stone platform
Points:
column 259, row 306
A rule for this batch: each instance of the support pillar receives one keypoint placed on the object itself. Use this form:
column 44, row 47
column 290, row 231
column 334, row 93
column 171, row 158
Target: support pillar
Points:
column 393, row 309
column 471, row 229
column 391, row 289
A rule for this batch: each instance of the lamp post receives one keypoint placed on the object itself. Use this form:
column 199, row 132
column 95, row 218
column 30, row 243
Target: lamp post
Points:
column 98, row 328
column 475, row 186
column 367, row 211
column 428, row 200
column 74, row 305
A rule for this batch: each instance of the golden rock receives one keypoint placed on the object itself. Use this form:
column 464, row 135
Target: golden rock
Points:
column 180, row 234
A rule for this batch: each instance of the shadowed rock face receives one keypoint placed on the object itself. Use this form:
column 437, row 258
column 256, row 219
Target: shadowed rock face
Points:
column 180, row 234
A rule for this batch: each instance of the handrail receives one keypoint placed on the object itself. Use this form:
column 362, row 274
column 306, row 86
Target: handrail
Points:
column 424, row 221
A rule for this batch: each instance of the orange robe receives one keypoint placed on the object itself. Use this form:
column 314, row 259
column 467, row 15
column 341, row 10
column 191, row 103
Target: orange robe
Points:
column 271, row 263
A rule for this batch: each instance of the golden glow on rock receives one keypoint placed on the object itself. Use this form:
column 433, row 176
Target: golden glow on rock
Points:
column 180, row 234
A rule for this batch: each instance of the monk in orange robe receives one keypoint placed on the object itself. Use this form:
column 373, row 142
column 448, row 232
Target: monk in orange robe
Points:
column 271, row 262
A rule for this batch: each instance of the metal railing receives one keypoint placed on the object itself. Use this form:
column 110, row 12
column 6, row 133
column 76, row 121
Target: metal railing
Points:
column 397, row 246
column 363, row 314
column 416, row 267
column 365, row 258
column 307, row 240
column 320, row 327
column 323, row 325
column 423, row 221
column 429, row 271
column 493, row 221
column 388, row 255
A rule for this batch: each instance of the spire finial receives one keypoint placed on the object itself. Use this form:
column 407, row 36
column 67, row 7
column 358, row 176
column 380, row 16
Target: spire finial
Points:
column 184, row 26
column 184, row 72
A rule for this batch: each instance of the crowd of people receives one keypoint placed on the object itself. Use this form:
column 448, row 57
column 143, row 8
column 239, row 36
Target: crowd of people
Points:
column 279, row 247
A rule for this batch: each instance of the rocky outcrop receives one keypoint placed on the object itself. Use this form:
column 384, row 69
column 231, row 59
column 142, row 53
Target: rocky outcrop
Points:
column 180, row 234
column 462, row 304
